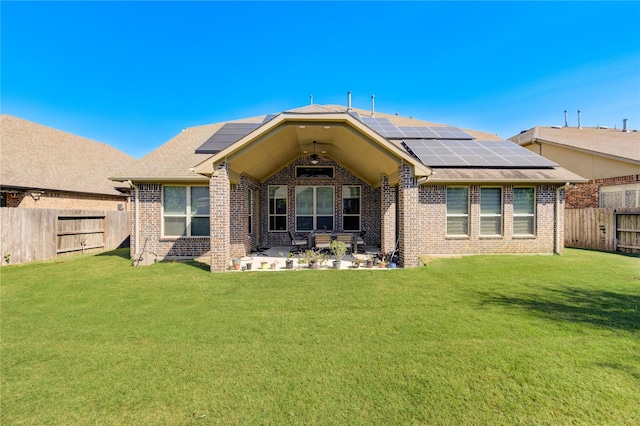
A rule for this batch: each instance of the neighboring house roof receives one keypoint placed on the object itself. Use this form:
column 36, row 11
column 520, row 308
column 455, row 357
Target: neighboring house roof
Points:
column 350, row 139
column 40, row 157
column 610, row 143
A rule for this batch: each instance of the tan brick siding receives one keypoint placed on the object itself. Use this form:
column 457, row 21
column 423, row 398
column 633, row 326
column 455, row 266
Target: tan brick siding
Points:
column 433, row 224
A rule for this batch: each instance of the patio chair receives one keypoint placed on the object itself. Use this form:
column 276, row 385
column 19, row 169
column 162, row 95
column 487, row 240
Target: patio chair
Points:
column 347, row 239
column 297, row 245
column 358, row 242
column 322, row 241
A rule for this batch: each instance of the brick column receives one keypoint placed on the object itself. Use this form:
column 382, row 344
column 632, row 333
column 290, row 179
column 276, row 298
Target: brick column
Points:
column 387, row 216
column 408, row 219
column 219, row 218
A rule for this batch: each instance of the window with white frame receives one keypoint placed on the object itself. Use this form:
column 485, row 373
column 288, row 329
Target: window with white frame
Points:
column 616, row 196
column 524, row 211
column 457, row 211
column 314, row 208
column 351, row 210
column 277, row 207
column 250, row 211
column 185, row 211
column 491, row 211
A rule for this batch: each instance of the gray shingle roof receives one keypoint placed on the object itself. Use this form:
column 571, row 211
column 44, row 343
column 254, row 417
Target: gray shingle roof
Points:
column 40, row 157
column 607, row 142
column 172, row 160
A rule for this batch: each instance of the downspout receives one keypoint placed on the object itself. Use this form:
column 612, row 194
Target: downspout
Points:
column 557, row 227
column 136, row 225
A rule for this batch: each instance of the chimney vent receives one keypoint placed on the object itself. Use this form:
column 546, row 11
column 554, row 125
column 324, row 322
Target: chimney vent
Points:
column 579, row 120
column 373, row 113
column 310, row 99
column 348, row 101
column 624, row 125
column 566, row 122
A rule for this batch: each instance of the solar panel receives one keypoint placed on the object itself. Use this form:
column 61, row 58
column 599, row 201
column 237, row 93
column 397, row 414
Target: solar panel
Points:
column 269, row 117
column 383, row 126
column 228, row 134
column 386, row 128
column 468, row 153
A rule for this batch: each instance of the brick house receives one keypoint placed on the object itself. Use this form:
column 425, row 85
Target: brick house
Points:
column 423, row 188
column 41, row 167
column 608, row 158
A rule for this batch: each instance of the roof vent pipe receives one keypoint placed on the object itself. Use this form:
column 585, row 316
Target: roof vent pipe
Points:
column 579, row 120
column 373, row 113
column 310, row 99
column 624, row 125
column 348, row 101
column 566, row 122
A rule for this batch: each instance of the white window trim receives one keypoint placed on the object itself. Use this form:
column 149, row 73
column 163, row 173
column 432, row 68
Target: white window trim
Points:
column 187, row 213
column 492, row 215
column 270, row 215
column 359, row 215
column 315, row 214
column 533, row 215
column 448, row 215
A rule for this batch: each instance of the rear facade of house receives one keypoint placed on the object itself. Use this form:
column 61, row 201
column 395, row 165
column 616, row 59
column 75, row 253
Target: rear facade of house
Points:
column 401, row 184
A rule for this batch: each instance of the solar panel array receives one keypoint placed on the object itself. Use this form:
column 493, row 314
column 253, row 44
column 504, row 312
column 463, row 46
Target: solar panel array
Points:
column 228, row 134
column 468, row 153
column 386, row 128
column 435, row 146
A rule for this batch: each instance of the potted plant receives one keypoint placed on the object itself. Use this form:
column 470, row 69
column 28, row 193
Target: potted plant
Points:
column 338, row 249
column 369, row 261
column 313, row 258
column 289, row 262
column 236, row 263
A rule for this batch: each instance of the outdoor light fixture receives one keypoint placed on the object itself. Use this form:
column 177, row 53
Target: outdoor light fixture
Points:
column 314, row 156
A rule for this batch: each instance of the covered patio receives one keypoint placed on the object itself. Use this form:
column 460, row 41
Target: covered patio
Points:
column 308, row 174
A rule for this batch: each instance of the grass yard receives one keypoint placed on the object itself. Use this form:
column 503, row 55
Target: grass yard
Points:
column 475, row 340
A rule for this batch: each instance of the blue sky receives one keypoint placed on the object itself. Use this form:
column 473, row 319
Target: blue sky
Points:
column 133, row 74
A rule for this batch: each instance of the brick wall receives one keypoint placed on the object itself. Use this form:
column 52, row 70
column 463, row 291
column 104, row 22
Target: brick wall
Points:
column 220, row 218
column 409, row 230
column 433, row 224
column 370, row 201
column 585, row 195
column 150, row 205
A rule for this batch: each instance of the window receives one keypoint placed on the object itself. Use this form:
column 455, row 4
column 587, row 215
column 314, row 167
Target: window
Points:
column 314, row 208
column 490, row 211
column 250, row 211
column 524, row 207
column 351, row 208
column 615, row 196
column 186, row 211
column 314, row 172
column 3, row 199
column 277, row 208
column 457, row 211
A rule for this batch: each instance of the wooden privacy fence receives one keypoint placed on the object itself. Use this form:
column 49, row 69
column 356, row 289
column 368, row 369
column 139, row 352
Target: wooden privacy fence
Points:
column 40, row 234
column 603, row 229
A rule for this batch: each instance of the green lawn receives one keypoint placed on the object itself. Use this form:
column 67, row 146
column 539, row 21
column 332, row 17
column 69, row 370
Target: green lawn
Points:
column 475, row 340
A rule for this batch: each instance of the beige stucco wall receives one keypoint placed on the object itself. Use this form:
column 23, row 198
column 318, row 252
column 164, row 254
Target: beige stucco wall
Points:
column 587, row 165
column 61, row 200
